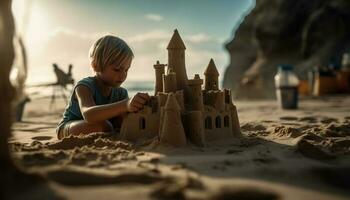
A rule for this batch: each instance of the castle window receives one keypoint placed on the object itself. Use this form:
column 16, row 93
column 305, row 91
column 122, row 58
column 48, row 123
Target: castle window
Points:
column 208, row 124
column 226, row 121
column 218, row 122
column 142, row 123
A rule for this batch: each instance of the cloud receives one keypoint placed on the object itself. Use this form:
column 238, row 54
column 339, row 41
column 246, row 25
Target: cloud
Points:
column 198, row 59
column 151, row 35
column 154, row 17
column 198, row 38
column 60, row 31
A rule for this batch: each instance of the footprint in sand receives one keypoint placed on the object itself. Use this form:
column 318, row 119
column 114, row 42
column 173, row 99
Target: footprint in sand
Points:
column 308, row 119
column 253, row 127
column 41, row 138
column 328, row 120
column 289, row 124
column 289, row 118
column 267, row 121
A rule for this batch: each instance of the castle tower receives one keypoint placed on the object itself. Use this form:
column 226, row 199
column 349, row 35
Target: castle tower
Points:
column 194, row 127
column 169, row 82
column 211, row 77
column 172, row 131
column 176, row 59
column 159, row 70
column 196, row 98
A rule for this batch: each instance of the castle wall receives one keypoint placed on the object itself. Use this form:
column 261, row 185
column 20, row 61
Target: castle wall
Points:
column 217, row 125
column 228, row 96
column 236, row 128
column 140, row 126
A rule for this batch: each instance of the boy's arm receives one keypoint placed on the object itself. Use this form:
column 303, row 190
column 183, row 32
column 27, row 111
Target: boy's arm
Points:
column 96, row 113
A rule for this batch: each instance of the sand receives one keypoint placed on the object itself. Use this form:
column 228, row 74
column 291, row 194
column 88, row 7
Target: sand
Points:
column 300, row 154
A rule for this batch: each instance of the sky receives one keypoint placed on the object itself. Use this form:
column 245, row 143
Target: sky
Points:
column 62, row 31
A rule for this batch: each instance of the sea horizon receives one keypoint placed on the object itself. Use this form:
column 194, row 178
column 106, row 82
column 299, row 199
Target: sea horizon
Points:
column 43, row 89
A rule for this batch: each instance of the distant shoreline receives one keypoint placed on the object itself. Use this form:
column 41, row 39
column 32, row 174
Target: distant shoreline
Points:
column 44, row 89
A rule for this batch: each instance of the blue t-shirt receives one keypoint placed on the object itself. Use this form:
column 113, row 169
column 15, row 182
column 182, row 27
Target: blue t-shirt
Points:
column 72, row 111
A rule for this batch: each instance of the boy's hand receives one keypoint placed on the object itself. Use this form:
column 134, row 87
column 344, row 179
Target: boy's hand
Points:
column 137, row 102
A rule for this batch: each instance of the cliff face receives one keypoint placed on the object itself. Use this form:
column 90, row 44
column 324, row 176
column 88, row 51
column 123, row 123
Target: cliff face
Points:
column 305, row 33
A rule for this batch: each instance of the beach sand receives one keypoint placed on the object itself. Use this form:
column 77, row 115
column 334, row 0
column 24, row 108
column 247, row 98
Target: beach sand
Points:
column 298, row 154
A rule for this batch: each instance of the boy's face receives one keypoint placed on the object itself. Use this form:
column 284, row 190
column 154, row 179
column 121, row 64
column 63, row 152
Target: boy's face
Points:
column 115, row 75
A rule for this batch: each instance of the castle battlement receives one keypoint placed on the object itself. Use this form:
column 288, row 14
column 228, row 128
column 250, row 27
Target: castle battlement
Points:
column 195, row 81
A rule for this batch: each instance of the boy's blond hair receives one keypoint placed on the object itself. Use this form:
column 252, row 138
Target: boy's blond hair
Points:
column 109, row 50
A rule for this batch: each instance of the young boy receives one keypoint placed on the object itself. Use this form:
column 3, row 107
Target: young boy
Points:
column 97, row 100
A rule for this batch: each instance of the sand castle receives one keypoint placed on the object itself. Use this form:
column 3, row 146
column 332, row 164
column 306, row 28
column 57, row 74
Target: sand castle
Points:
column 181, row 111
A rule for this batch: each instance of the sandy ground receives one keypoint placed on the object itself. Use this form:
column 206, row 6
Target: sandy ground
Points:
column 301, row 154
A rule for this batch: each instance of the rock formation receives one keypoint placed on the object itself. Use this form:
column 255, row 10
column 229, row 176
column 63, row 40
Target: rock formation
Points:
column 305, row 33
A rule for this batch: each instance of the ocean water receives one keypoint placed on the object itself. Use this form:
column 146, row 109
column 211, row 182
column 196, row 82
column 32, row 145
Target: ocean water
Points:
column 139, row 86
column 47, row 91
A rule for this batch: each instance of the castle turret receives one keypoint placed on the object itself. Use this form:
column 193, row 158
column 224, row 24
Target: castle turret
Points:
column 195, row 100
column 172, row 131
column 159, row 70
column 169, row 81
column 176, row 59
column 211, row 77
